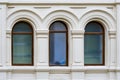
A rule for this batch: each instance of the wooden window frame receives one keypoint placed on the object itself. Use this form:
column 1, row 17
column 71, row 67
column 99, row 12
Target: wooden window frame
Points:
column 57, row 31
column 23, row 33
column 103, row 43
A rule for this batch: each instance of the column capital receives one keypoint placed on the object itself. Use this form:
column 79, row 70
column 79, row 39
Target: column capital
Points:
column 77, row 33
column 8, row 33
column 42, row 33
column 112, row 34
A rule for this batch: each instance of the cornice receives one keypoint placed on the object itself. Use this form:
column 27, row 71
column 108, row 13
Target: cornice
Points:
column 52, row 2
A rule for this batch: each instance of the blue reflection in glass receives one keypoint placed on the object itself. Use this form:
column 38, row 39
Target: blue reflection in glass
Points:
column 58, row 26
column 58, row 48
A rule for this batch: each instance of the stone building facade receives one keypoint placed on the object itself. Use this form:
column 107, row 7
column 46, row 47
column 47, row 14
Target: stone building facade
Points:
column 76, row 15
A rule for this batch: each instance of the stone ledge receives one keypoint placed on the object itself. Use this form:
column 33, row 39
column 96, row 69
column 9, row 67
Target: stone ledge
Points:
column 58, row 69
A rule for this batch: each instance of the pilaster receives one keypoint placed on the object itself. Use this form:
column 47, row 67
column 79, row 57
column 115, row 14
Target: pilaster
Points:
column 78, row 45
column 42, row 75
column 118, row 35
column 42, row 47
column 3, row 14
column 113, row 48
column 118, row 40
column 78, row 55
column 8, row 48
column 3, row 76
column 78, row 75
column 112, row 75
column 0, row 34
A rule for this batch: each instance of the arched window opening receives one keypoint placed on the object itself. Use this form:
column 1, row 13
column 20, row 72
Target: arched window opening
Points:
column 58, row 44
column 94, row 44
column 22, row 44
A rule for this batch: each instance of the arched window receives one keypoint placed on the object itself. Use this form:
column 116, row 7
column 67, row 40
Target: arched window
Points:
column 58, row 44
column 94, row 44
column 22, row 44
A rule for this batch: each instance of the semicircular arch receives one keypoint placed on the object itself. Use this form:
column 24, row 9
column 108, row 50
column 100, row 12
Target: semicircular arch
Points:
column 23, row 15
column 61, row 15
column 106, row 19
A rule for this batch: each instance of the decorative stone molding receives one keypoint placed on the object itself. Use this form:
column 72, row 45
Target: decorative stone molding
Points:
column 8, row 33
column 21, row 68
column 42, row 33
column 77, row 69
column 112, row 34
column 78, row 7
column 112, row 69
column 59, row 70
column 104, row 17
column 42, row 7
column 112, row 39
column 4, row 1
column 118, row 69
column 26, row 15
column 77, row 33
column 77, row 2
column 62, row 15
column 42, row 69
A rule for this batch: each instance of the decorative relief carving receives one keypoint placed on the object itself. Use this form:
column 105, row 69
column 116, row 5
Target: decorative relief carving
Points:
column 109, row 7
column 59, row 70
column 42, row 7
column 11, row 7
column 82, row 7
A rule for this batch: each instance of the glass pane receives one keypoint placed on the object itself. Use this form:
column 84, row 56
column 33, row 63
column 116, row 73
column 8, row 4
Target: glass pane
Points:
column 58, row 26
column 57, row 48
column 93, row 27
column 22, row 49
column 93, row 49
column 22, row 27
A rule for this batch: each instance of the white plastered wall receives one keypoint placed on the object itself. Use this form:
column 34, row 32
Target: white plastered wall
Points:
column 76, row 17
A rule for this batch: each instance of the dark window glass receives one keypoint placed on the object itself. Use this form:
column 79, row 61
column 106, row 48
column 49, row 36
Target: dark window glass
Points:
column 22, row 27
column 22, row 44
column 93, row 27
column 94, row 44
column 58, row 44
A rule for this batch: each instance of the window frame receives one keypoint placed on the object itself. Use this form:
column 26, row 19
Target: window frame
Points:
column 57, row 31
column 23, row 33
column 103, row 43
